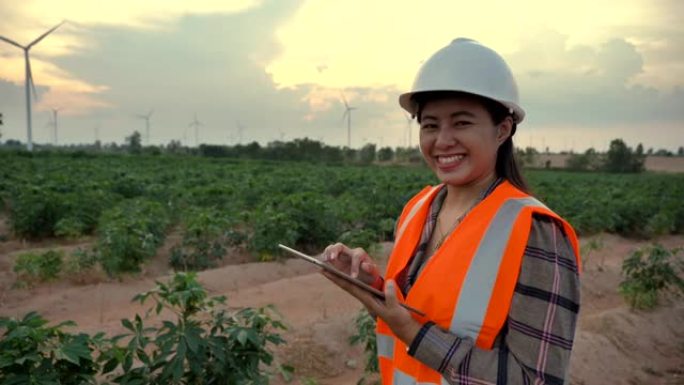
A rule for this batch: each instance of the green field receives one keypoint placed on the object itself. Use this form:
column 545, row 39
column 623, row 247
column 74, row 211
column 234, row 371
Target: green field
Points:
column 130, row 203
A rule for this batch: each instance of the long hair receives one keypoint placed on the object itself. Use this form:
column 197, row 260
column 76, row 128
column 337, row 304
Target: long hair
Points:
column 506, row 164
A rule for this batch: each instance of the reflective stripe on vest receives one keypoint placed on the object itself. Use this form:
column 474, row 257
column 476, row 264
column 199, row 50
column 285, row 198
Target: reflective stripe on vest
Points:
column 401, row 378
column 476, row 291
column 385, row 345
column 414, row 210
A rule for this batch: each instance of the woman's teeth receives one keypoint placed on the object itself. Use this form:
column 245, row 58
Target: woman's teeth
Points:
column 449, row 159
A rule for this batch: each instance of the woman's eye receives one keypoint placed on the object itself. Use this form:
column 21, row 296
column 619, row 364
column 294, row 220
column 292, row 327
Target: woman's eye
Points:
column 428, row 126
column 461, row 123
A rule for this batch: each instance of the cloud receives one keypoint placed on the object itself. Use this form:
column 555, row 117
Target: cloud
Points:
column 589, row 86
column 280, row 65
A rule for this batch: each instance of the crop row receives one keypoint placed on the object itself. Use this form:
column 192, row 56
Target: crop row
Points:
column 130, row 203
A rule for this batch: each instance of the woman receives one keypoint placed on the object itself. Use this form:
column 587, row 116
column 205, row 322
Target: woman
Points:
column 495, row 271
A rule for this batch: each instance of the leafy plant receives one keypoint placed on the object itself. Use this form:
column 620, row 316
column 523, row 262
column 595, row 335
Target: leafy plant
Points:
column 130, row 233
column 595, row 244
column 649, row 272
column 33, row 353
column 79, row 263
column 205, row 345
column 206, row 236
column 69, row 227
column 35, row 267
column 297, row 218
column 34, row 211
column 365, row 328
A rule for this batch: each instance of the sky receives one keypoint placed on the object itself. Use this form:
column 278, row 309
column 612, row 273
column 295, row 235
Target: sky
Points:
column 588, row 72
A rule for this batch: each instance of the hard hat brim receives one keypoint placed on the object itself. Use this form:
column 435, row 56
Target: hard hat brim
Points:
column 409, row 105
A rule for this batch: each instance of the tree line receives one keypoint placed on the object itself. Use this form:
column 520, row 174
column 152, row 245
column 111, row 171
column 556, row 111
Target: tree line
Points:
column 619, row 158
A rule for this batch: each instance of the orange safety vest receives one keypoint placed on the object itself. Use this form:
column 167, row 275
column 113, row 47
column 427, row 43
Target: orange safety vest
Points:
column 467, row 285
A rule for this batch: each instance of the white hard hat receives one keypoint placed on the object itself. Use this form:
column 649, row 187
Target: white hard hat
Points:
column 466, row 66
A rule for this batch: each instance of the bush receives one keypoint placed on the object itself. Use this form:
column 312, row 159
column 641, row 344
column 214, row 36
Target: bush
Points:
column 300, row 219
column 35, row 211
column 646, row 278
column 46, row 211
column 79, row 263
column 206, row 236
column 589, row 161
column 33, row 353
column 129, row 234
column 205, row 345
column 33, row 267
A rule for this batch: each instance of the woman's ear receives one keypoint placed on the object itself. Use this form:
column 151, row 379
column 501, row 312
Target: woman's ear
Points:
column 504, row 130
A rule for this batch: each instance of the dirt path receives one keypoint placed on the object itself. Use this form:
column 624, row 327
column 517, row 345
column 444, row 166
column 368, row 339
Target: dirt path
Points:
column 613, row 345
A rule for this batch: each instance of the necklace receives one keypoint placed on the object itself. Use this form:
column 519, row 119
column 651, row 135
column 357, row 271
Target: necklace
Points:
column 458, row 220
column 443, row 234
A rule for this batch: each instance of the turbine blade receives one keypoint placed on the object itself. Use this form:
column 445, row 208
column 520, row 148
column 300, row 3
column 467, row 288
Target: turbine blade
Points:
column 14, row 43
column 346, row 105
column 30, row 78
column 150, row 114
column 41, row 37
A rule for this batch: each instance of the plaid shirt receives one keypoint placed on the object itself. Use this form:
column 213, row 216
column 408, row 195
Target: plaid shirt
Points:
column 535, row 344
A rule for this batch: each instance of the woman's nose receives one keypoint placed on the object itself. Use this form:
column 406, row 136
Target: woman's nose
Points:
column 445, row 136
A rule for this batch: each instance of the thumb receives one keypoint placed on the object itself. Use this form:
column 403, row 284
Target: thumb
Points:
column 391, row 293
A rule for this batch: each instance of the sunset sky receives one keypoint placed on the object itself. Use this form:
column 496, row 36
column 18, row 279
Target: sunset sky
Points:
column 588, row 71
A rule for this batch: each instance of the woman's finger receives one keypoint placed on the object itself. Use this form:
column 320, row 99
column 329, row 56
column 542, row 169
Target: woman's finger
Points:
column 391, row 294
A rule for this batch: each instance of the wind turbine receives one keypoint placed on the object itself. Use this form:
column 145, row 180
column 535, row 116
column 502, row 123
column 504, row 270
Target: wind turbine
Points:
column 54, row 125
column 147, row 125
column 196, row 124
column 347, row 113
column 28, row 77
column 409, row 120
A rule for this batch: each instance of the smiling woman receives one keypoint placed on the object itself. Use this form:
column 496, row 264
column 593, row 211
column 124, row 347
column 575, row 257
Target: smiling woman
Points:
column 494, row 269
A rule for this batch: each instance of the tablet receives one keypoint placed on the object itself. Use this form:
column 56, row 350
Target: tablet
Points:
column 357, row 282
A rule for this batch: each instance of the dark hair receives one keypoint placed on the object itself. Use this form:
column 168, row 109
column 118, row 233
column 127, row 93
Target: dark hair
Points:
column 506, row 165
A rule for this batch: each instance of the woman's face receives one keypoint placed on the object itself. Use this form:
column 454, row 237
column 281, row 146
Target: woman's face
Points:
column 459, row 141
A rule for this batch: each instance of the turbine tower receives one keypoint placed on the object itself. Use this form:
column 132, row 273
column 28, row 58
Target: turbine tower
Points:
column 347, row 113
column 147, row 125
column 240, row 127
column 196, row 124
column 28, row 79
column 54, row 125
column 409, row 120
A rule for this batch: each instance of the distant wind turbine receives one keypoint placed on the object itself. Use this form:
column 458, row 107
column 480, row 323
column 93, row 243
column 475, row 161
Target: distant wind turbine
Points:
column 240, row 128
column 28, row 77
column 147, row 125
column 54, row 125
column 196, row 124
column 409, row 121
column 347, row 113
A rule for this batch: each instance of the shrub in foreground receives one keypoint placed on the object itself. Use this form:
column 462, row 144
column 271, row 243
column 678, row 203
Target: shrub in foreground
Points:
column 200, row 343
column 648, row 273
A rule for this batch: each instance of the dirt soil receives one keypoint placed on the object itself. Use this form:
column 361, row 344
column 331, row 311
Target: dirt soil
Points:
column 614, row 345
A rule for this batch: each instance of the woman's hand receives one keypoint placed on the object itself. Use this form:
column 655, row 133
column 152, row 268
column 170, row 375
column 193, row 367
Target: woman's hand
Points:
column 396, row 317
column 355, row 262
